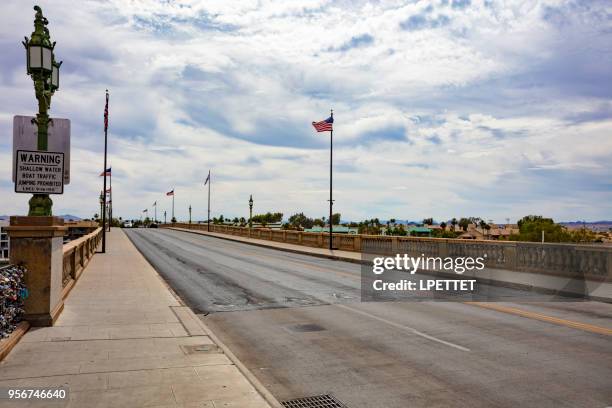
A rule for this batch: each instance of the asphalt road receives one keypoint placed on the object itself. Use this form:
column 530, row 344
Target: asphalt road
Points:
column 298, row 324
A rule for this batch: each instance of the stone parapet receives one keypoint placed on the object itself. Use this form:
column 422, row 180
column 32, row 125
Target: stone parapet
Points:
column 37, row 243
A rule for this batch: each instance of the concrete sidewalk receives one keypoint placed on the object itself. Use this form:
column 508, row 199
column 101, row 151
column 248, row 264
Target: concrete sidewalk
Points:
column 124, row 340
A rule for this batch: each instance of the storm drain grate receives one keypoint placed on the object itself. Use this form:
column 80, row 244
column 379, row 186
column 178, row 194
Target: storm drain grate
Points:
column 317, row 401
column 200, row 348
column 304, row 328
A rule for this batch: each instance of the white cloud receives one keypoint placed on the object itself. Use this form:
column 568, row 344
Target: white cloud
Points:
column 478, row 111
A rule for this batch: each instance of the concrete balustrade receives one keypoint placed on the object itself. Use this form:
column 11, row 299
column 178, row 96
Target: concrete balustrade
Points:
column 591, row 262
column 37, row 243
column 77, row 255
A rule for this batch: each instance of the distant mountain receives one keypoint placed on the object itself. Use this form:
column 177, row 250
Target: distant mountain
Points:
column 585, row 222
column 68, row 217
column 383, row 222
column 598, row 226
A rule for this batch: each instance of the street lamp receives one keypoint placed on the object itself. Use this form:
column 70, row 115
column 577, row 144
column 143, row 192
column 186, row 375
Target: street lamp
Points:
column 251, row 211
column 44, row 71
column 55, row 75
column 101, row 205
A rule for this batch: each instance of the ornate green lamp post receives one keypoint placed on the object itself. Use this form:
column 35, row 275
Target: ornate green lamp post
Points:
column 44, row 71
column 101, row 206
column 251, row 211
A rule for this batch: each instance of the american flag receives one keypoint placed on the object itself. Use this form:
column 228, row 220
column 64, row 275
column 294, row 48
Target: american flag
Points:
column 170, row 193
column 207, row 178
column 106, row 113
column 324, row 125
column 155, row 204
column 147, row 210
column 106, row 173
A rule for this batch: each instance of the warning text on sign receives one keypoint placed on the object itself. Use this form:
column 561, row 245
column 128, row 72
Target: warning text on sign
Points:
column 39, row 172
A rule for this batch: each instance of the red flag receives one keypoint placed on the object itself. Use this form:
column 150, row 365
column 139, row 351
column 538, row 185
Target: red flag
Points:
column 324, row 125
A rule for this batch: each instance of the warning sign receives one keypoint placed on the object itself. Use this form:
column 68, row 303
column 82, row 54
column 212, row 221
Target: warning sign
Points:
column 39, row 172
column 25, row 137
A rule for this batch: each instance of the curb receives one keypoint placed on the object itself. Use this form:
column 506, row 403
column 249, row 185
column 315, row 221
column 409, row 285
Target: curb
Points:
column 259, row 387
column 263, row 391
column 295, row 251
column 7, row 344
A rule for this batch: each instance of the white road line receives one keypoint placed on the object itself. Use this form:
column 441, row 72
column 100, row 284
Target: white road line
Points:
column 402, row 327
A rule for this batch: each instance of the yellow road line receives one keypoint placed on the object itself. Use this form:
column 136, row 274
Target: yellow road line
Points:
column 538, row 316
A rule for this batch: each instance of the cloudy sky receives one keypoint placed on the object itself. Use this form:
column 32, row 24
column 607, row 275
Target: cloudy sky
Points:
column 442, row 108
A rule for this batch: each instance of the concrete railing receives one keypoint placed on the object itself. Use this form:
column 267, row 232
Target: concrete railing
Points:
column 593, row 262
column 77, row 255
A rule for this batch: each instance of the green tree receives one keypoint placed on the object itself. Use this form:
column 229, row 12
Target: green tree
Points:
column 268, row 218
column 484, row 227
column 454, row 223
column 398, row 231
column 428, row 221
column 464, row 223
column 443, row 226
column 336, row 219
column 532, row 226
column 299, row 220
column 370, row 227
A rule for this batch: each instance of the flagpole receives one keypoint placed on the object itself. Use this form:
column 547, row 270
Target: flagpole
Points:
column 110, row 201
column 155, row 212
column 105, row 151
column 331, row 201
column 173, row 192
column 208, row 219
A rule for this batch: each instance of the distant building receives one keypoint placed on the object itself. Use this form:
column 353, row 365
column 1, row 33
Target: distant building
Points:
column 4, row 241
column 419, row 232
column 496, row 232
column 336, row 229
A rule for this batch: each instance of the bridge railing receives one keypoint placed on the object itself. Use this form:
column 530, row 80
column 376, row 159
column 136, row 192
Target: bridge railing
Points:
column 593, row 262
column 77, row 255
